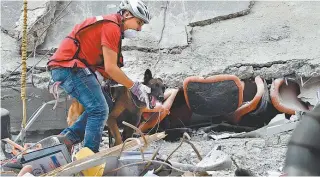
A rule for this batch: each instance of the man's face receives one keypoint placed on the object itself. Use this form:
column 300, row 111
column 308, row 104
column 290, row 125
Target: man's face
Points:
column 132, row 22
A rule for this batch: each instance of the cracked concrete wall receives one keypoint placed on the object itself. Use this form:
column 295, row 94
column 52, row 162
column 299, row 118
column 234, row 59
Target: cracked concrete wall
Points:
column 203, row 38
column 270, row 39
column 74, row 12
column 277, row 44
column 198, row 40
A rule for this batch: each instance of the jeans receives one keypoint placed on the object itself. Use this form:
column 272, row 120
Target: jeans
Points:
column 83, row 86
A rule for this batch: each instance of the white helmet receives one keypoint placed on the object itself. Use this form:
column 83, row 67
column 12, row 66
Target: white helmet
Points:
column 137, row 8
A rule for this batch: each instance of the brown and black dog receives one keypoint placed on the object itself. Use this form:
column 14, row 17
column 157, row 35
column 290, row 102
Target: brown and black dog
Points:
column 125, row 100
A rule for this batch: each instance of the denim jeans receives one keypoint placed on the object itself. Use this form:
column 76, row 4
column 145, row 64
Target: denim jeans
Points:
column 83, row 86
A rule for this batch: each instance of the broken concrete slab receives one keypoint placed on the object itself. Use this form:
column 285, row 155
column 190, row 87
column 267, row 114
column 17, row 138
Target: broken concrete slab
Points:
column 40, row 16
column 274, row 128
column 201, row 14
column 309, row 90
column 167, row 28
column 215, row 160
column 269, row 131
column 10, row 56
column 278, row 119
column 48, row 120
column 151, row 33
column 235, row 46
column 174, row 30
column 73, row 13
column 244, row 41
column 274, row 69
column 247, row 48
column 10, row 13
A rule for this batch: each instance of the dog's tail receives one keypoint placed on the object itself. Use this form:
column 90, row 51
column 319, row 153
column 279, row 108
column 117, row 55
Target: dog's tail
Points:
column 75, row 110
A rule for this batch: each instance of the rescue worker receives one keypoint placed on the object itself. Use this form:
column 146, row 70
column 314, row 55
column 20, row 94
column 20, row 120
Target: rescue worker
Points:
column 95, row 45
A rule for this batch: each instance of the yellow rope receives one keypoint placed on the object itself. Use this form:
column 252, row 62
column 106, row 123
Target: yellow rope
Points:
column 24, row 65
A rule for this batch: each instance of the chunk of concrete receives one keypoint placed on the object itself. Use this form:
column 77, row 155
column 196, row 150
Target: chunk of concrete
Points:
column 40, row 15
column 269, row 130
column 150, row 34
column 244, row 41
column 215, row 160
column 48, row 120
column 167, row 28
column 309, row 91
column 276, row 126
column 10, row 57
column 10, row 13
column 278, row 119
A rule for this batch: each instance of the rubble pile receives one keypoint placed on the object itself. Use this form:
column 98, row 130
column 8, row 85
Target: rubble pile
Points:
column 247, row 76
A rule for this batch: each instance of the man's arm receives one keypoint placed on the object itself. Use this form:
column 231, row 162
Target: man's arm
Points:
column 112, row 69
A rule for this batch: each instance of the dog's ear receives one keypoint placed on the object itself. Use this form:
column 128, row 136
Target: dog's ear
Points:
column 147, row 76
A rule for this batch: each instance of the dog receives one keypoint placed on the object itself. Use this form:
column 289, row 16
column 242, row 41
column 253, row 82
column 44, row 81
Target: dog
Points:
column 125, row 101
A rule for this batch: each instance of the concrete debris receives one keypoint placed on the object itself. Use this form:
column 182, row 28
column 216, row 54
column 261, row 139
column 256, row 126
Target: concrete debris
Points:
column 215, row 160
column 224, row 136
column 129, row 157
column 257, row 154
column 273, row 128
column 309, row 90
column 9, row 53
column 102, row 156
column 40, row 16
column 184, row 38
column 278, row 119
column 49, row 119
column 10, row 11
column 210, row 49
column 297, row 67
column 277, row 129
column 167, row 28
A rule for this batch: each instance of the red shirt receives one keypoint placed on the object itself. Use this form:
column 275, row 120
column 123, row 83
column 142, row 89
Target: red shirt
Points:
column 91, row 41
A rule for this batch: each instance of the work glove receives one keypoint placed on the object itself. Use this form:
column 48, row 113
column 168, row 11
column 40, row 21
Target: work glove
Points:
column 141, row 92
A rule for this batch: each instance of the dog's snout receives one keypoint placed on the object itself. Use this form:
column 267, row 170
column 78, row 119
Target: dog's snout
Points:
column 161, row 98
